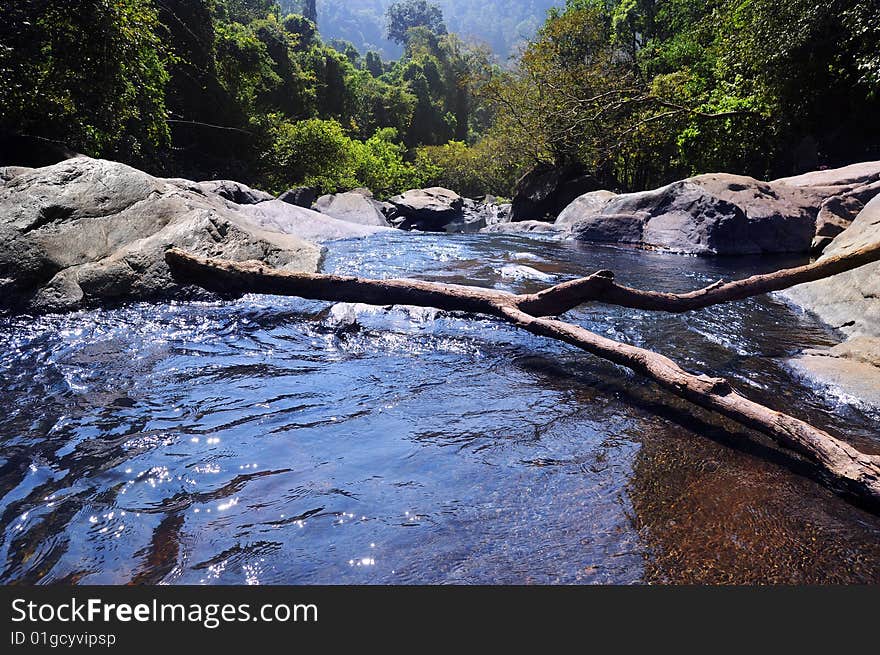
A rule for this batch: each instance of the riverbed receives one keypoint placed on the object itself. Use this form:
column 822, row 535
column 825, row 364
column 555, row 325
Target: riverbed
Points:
column 282, row 441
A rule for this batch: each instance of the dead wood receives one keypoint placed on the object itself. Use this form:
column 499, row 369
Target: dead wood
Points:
column 847, row 469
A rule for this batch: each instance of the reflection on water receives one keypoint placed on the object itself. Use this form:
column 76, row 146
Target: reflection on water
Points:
column 284, row 441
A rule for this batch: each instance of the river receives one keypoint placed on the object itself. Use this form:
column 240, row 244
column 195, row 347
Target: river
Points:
column 282, row 441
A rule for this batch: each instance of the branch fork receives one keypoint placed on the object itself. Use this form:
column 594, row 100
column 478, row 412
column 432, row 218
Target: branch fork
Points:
column 847, row 470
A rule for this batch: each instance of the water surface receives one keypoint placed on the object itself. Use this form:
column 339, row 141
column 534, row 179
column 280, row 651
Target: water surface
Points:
column 269, row 441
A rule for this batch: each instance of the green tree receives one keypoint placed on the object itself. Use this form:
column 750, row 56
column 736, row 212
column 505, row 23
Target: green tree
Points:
column 373, row 63
column 88, row 72
column 409, row 14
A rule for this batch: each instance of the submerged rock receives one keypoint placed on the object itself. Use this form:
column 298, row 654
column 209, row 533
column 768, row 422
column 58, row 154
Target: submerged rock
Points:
column 523, row 227
column 852, row 367
column 86, row 231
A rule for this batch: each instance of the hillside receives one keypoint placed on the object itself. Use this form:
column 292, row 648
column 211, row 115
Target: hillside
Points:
column 503, row 24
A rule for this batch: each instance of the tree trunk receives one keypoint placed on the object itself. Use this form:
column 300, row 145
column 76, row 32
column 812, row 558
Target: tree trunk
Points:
column 849, row 471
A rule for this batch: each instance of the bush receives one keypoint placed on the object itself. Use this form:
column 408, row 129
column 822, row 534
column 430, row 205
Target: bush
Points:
column 486, row 167
column 320, row 154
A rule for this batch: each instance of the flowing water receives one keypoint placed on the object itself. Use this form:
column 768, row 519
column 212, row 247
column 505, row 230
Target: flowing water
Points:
column 282, row 441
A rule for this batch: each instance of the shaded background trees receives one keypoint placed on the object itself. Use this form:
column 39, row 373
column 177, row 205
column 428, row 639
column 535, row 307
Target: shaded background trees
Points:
column 636, row 93
column 643, row 92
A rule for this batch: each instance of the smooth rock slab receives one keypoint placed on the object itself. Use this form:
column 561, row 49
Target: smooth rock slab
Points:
column 849, row 301
column 307, row 224
column 87, row 231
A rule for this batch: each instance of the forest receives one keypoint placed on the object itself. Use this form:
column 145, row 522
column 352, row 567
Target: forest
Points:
column 634, row 92
column 503, row 25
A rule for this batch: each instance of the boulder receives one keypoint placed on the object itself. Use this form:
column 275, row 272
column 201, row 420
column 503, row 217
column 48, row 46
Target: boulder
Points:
column 354, row 207
column 838, row 212
column 585, row 205
column 848, row 176
column 235, row 192
column 477, row 215
column 522, row 227
column 305, row 223
column 429, row 210
column 849, row 301
column 9, row 172
column 716, row 214
column 389, row 211
column 542, row 193
column 87, row 231
column 300, row 196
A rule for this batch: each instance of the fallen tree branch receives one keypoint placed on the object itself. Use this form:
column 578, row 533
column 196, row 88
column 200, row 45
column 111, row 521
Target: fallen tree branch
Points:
column 600, row 287
column 849, row 470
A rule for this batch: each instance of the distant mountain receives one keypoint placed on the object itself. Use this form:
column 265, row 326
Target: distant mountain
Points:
column 502, row 24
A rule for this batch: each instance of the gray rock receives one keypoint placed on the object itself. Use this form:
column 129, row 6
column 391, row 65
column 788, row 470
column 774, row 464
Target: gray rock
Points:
column 849, row 301
column 235, row 192
column 838, row 212
column 852, row 176
column 710, row 214
column 279, row 216
column 300, row 196
column 429, row 210
column 542, row 193
column 585, row 205
column 522, row 227
column 87, row 231
column 389, row 211
column 477, row 215
column 9, row 172
column 354, row 207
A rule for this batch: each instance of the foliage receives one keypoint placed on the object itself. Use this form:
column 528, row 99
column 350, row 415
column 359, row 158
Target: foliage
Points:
column 318, row 153
column 90, row 72
column 406, row 15
column 471, row 170
column 642, row 92
column 502, row 25
column 637, row 92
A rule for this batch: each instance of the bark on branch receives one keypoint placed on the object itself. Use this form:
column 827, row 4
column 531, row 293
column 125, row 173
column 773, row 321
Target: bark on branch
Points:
column 600, row 287
column 848, row 470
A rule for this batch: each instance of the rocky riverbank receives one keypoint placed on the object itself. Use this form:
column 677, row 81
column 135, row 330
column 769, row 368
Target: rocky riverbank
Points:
column 86, row 232
column 849, row 302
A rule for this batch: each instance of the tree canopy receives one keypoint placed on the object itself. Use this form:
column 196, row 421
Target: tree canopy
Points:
column 636, row 92
column 406, row 15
